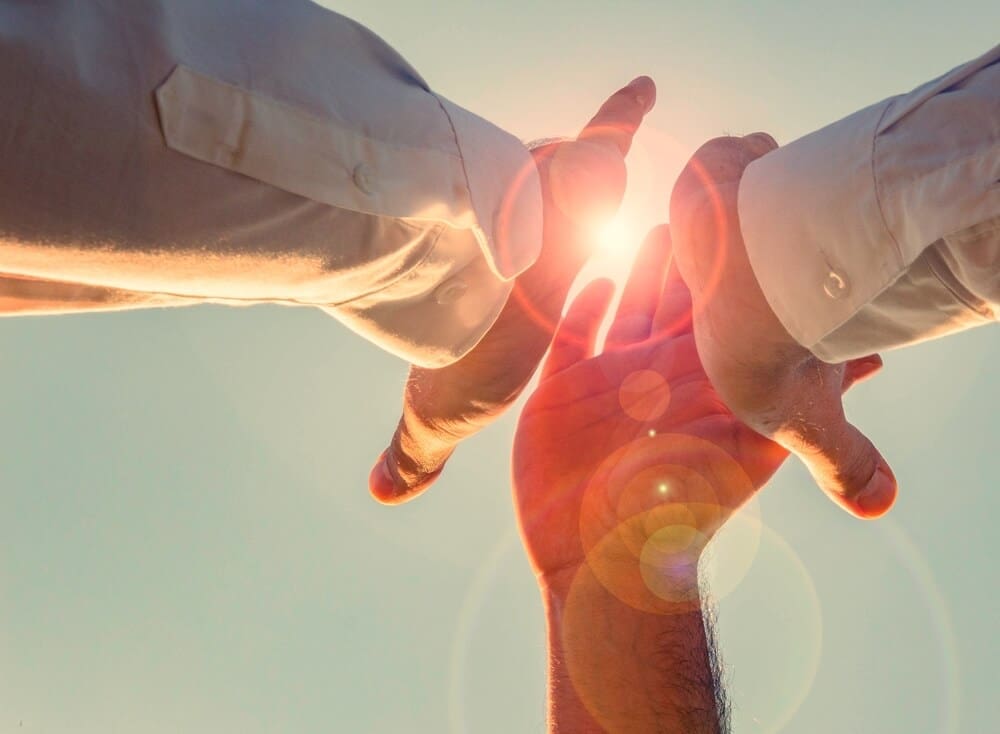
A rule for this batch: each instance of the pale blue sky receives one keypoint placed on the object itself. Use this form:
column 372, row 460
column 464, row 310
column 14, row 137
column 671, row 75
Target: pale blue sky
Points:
column 188, row 544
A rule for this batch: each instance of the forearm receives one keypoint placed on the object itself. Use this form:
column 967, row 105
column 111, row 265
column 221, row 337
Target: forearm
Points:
column 615, row 668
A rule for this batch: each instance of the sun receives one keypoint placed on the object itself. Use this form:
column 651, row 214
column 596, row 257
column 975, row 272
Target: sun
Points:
column 615, row 238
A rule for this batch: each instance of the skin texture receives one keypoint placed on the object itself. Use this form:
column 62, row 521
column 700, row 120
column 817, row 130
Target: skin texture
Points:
column 770, row 381
column 625, row 465
column 583, row 180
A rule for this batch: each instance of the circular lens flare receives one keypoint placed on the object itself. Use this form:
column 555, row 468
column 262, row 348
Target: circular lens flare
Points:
column 645, row 492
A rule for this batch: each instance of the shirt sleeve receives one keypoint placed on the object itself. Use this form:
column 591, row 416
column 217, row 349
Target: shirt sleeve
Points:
column 883, row 229
column 291, row 158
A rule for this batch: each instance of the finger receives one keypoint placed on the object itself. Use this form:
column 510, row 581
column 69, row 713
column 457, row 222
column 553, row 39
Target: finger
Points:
column 634, row 318
column 722, row 160
column 673, row 313
column 585, row 178
column 844, row 462
column 616, row 123
column 861, row 369
column 759, row 144
column 381, row 482
column 576, row 336
column 388, row 487
column 412, row 463
column 696, row 205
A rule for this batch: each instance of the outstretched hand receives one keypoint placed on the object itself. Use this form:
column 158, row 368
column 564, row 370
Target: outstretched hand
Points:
column 769, row 380
column 626, row 456
column 581, row 179
column 626, row 463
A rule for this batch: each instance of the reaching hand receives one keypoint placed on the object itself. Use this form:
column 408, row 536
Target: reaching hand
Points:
column 628, row 461
column 580, row 179
column 770, row 381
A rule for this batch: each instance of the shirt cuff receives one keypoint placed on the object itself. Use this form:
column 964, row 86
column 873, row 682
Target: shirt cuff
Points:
column 813, row 229
column 504, row 189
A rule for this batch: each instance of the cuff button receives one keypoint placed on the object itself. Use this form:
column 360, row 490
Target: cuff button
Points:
column 450, row 291
column 364, row 178
column 836, row 286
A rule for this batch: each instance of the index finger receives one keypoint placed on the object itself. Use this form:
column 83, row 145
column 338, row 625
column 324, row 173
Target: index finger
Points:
column 634, row 318
column 616, row 123
column 673, row 313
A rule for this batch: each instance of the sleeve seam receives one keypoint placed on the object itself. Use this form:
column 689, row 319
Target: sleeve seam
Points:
column 954, row 162
column 878, row 194
column 965, row 298
column 461, row 157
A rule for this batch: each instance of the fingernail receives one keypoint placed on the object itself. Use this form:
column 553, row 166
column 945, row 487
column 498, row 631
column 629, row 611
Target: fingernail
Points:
column 761, row 142
column 381, row 482
column 878, row 495
column 642, row 98
column 385, row 471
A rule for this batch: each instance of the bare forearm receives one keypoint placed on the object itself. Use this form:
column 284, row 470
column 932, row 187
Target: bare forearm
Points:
column 614, row 668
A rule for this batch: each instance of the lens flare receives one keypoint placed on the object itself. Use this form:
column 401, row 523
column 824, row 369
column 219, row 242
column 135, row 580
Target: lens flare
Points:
column 938, row 608
column 615, row 236
column 465, row 629
column 643, row 494
column 791, row 623
column 644, row 396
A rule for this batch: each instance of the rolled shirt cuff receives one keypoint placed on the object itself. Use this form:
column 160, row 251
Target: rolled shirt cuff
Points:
column 439, row 311
column 833, row 221
column 814, row 234
column 504, row 189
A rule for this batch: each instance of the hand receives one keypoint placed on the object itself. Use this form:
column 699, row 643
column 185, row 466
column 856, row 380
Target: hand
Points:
column 580, row 179
column 625, row 464
column 769, row 380
column 628, row 462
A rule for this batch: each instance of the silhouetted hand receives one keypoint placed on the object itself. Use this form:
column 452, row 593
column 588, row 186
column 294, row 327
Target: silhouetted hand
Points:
column 582, row 181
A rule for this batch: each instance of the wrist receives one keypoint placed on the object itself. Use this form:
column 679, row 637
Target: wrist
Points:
column 613, row 667
column 616, row 586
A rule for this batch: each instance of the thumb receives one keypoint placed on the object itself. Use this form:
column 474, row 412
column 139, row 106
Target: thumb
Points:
column 416, row 455
column 842, row 460
column 387, row 484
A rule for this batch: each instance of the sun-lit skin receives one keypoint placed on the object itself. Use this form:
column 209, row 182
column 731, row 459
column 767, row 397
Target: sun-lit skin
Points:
column 579, row 417
column 616, row 504
column 583, row 182
column 772, row 382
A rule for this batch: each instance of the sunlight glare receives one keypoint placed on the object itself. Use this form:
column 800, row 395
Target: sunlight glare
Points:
column 616, row 237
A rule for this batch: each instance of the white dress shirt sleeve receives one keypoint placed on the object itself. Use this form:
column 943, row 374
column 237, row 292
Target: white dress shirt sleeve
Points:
column 883, row 229
column 171, row 152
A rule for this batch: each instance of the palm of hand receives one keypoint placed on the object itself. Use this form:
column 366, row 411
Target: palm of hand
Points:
column 631, row 455
column 594, row 451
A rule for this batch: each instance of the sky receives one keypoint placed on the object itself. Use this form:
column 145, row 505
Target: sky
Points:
column 186, row 539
